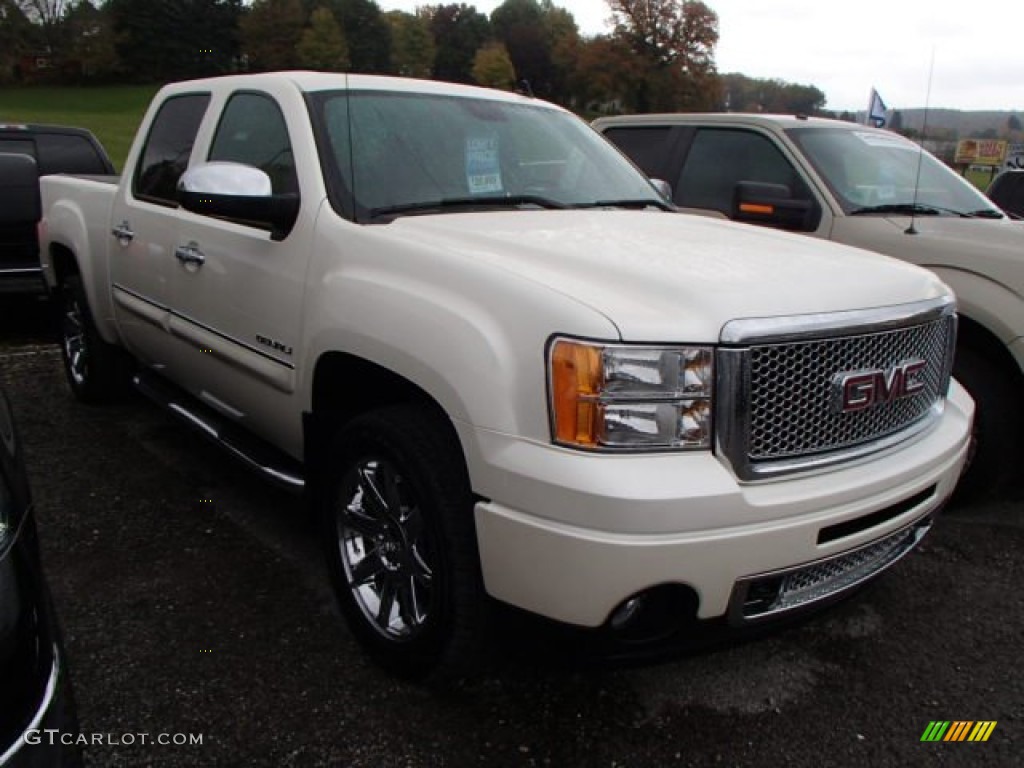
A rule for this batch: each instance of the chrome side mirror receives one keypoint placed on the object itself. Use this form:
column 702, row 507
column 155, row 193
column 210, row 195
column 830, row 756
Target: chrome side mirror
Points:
column 240, row 193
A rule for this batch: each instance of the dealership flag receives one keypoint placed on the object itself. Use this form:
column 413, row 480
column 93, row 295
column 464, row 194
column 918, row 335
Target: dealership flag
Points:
column 876, row 110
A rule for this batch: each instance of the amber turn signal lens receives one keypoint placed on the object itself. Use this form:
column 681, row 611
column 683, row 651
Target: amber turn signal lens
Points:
column 576, row 381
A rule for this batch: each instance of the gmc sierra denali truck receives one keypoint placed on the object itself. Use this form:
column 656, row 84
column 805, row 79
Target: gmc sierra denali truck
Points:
column 872, row 189
column 501, row 369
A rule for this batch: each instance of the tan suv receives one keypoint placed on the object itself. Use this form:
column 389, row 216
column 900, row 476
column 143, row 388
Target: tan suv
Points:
column 876, row 190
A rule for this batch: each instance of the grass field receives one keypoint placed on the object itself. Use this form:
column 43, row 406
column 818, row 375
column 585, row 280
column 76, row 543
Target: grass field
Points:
column 112, row 113
column 979, row 178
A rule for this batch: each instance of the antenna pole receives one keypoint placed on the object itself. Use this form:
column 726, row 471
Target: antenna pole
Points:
column 911, row 230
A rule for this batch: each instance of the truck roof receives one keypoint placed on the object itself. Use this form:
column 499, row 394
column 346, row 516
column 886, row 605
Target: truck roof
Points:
column 311, row 82
column 725, row 118
column 20, row 129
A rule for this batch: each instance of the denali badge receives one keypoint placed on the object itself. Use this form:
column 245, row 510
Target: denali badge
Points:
column 857, row 390
column 275, row 345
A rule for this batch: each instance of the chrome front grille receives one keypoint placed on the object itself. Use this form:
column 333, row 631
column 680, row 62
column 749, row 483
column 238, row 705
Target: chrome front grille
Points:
column 776, row 394
column 791, row 409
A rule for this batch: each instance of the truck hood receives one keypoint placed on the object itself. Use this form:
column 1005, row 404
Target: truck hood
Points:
column 993, row 248
column 671, row 277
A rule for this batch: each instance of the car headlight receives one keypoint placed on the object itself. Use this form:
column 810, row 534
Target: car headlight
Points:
column 618, row 397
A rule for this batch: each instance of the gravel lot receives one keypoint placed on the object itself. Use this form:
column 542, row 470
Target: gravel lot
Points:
column 194, row 601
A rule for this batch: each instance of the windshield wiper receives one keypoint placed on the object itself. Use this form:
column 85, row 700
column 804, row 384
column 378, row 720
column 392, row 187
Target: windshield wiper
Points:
column 907, row 208
column 639, row 203
column 465, row 203
column 920, row 209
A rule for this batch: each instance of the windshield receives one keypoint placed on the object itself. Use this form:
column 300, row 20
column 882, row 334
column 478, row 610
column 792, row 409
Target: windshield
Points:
column 391, row 154
column 877, row 172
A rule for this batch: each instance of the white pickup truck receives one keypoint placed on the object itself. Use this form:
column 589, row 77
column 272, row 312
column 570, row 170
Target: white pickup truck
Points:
column 500, row 368
column 871, row 189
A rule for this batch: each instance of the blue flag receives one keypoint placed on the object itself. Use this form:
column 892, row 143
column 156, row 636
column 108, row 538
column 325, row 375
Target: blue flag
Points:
column 876, row 110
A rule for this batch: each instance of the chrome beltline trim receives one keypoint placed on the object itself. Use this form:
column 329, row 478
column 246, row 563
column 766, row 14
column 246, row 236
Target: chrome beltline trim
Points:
column 208, row 329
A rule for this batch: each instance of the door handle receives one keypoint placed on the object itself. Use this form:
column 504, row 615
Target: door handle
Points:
column 190, row 255
column 123, row 233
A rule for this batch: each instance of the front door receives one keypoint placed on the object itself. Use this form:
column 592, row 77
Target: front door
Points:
column 236, row 293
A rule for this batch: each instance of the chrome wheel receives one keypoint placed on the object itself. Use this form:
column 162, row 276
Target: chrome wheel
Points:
column 76, row 348
column 384, row 550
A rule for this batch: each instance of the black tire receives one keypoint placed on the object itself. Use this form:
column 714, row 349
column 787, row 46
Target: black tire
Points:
column 97, row 372
column 396, row 522
column 994, row 469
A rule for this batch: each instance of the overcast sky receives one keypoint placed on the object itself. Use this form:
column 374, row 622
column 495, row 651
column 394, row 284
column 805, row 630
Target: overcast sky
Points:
column 846, row 48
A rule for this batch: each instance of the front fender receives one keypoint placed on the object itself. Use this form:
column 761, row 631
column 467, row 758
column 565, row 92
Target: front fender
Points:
column 986, row 301
column 469, row 335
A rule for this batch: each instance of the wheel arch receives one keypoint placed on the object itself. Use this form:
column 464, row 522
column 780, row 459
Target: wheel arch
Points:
column 64, row 263
column 975, row 336
column 346, row 385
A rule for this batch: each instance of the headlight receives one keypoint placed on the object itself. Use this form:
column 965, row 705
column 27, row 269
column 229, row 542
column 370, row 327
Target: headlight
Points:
column 620, row 397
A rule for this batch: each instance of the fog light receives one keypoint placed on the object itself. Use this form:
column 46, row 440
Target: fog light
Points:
column 626, row 612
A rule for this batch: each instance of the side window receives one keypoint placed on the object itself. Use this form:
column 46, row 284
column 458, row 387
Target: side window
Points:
column 648, row 146
column 68, row 154
column 719, row 158
column 252, row 131
column 168, row 147
column 18, row 147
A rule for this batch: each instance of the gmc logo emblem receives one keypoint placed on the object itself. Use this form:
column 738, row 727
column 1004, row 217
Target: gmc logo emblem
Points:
column 857, row 390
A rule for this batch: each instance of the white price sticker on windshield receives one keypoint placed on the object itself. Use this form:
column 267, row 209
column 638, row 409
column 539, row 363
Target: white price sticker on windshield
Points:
column 483, row 170
column 890, row 140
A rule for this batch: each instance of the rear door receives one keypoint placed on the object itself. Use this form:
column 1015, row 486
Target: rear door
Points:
column 142, row 234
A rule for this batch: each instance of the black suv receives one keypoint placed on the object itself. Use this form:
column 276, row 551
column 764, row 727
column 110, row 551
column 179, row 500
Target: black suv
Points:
column 1007, row 191
column 27, row 152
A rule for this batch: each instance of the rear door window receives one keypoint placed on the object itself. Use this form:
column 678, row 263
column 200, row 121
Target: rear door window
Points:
column 168, row 148
column 60, row 153
column 649, row 147
column 18, row 147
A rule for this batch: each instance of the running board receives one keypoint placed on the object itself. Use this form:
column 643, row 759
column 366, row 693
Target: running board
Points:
column 275, row 466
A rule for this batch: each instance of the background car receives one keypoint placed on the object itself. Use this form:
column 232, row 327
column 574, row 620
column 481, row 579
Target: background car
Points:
column 872, row 189
column 27, row 152
column 1007, row 191
column 34, row 689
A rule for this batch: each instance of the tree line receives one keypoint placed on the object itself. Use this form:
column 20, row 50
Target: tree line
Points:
column 657, row 56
